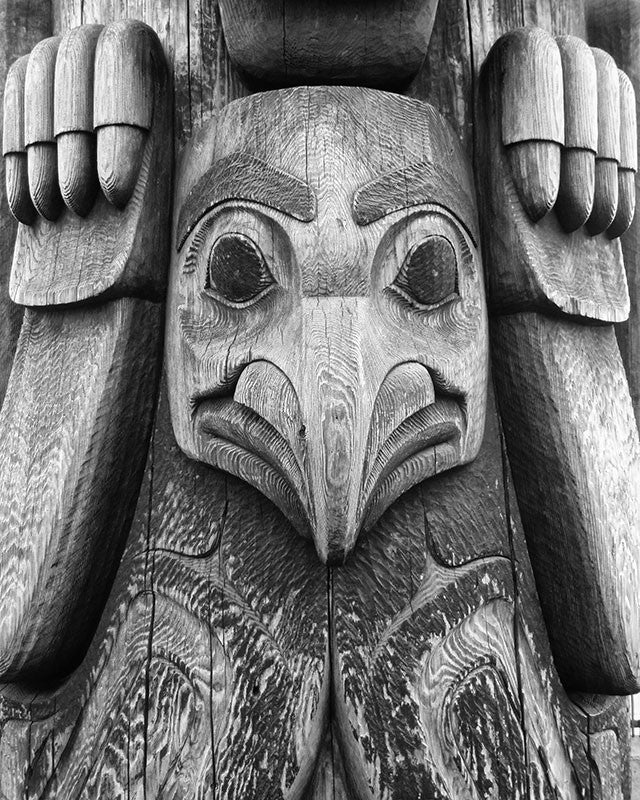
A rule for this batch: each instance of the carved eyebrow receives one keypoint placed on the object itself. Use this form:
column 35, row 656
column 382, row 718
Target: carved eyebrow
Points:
column 241, row 176
column 412, row 186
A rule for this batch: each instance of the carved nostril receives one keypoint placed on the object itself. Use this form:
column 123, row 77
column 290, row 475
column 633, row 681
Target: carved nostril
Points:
column 406, row 389
column 265, row 389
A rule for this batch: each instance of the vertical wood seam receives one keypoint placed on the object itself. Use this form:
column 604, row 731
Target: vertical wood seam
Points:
column 189, row 90
column 150, row 572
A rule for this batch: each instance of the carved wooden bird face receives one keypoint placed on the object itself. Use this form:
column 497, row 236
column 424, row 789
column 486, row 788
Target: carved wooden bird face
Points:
column 327, row 335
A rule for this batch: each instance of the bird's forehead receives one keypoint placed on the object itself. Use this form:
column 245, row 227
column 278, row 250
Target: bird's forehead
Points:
column 336, row 137
column 317, row 152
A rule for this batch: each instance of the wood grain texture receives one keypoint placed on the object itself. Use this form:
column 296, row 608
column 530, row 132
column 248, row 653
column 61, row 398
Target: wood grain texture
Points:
column 17, row 188
column 628, row 165
column 74, row 80
column 577, row 177
column 104, row 254
column 608, row 155
column 533, row 82
column 127, row 59
column 216, row 524
column 22, row 24
column 541, row 368
column 13, row 140
column 437, row 694
column 576, row 463
column 579, row 76
column 608, row 105
column 379, row 44
column 68, row 431
column 42, row 173
column 13, row 144
column 92, row 424
column 77, row 174
column 538, row 265
column 616, row 29
column 326, row 315
column 191, row 35
column 39, row 95
column 533, row 79
column 530, row 74
column 628, row 124
column 577, row 188
column 73, row 118
column 219, row 625
column 39, row 130
column 125, row 75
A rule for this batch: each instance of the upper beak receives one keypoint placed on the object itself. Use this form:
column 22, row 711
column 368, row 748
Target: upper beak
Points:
column 334, row 391
column 336, row 404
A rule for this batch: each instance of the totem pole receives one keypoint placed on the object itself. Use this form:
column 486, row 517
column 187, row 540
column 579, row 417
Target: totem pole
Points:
column 372, row 532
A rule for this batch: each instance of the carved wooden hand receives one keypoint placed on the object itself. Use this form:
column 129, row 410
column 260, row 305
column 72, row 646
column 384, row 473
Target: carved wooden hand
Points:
column 88, row 162
column 557, row 157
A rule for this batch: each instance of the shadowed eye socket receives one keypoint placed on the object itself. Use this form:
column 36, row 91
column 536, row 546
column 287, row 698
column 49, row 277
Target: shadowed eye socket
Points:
column 429, row 274
column 237, row 271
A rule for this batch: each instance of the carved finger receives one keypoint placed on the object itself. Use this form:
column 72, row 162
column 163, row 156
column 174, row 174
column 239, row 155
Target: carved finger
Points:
column 533, row 118
column 577, row 171
column 13, row 144
column 42, row 159
column 523, row 254
column 605, row 200
column 628, row 159
column 123, row 106
column 73, row 118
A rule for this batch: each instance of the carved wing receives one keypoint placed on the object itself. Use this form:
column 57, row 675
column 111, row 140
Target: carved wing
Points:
column 89, row 266
column 557, row 164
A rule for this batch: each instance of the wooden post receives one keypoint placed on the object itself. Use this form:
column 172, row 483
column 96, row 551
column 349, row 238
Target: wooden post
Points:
column 331, row 587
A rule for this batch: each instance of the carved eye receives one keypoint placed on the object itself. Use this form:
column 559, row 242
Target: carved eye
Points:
column 429, row 274
column 237, row 270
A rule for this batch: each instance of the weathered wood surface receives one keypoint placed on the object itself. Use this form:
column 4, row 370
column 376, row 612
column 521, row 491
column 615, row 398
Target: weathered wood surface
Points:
column 564, row 402
column 22, row 26
column 342, row 370
column 567, row 429
column 615, row 27
column 82, row 391
column 216, row 588
column 542, row 265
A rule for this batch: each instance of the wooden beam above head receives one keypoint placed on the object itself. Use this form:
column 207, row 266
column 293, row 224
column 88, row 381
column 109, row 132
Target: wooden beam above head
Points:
column 380, row 44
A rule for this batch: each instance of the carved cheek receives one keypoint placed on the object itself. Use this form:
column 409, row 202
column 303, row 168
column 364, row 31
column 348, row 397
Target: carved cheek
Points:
column 235, row 287
column 446, row 340
column 218, row 340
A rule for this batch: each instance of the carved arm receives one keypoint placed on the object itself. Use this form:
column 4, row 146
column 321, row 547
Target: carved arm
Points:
column 88, row 160
column 557, row 157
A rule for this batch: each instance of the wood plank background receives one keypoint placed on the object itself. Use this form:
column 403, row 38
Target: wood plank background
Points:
column 174, row 539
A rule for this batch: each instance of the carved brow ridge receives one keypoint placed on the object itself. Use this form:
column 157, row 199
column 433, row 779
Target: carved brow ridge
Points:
column 241, row 176
column 417, row 184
